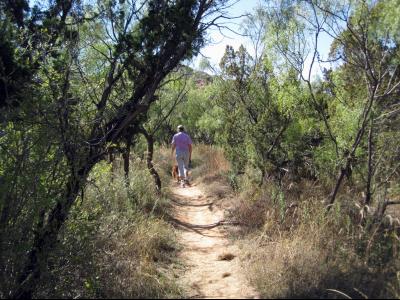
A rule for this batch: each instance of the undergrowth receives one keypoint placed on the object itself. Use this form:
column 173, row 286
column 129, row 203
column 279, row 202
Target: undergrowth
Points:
column 115, row 243
column 297, row 250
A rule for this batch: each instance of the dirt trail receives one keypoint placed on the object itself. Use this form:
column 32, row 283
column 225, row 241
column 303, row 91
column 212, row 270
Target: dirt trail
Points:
column 213, row 268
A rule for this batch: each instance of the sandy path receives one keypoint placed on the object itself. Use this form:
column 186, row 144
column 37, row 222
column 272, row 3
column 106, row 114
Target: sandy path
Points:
column 213, row 270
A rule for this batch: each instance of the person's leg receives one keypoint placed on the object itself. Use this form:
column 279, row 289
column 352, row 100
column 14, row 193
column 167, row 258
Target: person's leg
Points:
column 181, row 164
column 186, row 165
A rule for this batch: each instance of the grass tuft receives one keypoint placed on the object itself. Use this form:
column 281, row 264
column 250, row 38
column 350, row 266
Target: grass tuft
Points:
column 115, row 243
column 294, row 250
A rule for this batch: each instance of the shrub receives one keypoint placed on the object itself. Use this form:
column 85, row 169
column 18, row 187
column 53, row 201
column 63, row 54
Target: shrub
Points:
column 114, row 245
column 297, row 250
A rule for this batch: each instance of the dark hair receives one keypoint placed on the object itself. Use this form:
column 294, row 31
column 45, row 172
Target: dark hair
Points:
column 181, row 128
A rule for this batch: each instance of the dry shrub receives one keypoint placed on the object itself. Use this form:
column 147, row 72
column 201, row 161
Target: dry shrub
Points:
column 256, row 206
column 291, row 267
column 250, row 213
column 131, row 264
column 213, row 157
column 295, row 250
column 215, row 187
column 309, row 262
column 315, row 257
column 208, row 161
column 114, row 245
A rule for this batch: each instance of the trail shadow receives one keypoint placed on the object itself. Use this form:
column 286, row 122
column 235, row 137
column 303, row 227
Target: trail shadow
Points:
column 198, row 294
column 199, row 228
column 179, row 202
column 193, row 227
column 196, row 226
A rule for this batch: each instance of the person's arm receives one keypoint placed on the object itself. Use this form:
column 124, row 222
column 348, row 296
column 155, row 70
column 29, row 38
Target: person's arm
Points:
column 173, row 149
column 173, row 146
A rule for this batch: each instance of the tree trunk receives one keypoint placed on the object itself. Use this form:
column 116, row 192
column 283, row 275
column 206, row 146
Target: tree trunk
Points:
column 149, row 159
column 263, row 173
column 360, row 133
column 46, row 234
column 333, row 195
column 111, row 159
column 126, row 157
column 368, row 194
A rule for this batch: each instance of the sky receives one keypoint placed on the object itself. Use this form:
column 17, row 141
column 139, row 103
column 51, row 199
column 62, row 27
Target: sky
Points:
column 215, row 49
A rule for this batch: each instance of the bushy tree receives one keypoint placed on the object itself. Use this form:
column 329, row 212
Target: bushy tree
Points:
column 90, row 73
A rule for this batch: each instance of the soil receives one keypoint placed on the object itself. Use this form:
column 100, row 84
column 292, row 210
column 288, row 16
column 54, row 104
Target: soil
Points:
column 213, row 268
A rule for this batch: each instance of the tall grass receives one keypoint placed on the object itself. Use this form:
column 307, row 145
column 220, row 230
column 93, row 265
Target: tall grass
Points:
column 115, row 243
column 209, row 161
column 294, row 249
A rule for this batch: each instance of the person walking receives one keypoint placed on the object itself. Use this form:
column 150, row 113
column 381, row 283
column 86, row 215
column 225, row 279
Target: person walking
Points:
column 182, row 143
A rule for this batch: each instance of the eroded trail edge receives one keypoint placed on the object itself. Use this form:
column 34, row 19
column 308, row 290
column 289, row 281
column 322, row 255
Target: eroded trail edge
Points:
column 213, row 269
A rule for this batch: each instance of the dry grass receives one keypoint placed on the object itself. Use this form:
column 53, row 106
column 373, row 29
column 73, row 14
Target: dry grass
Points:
column 295, row 250
column 215, row 187
column 163, row 162
column 210, row 169
column 250, row 211
column 300, row 265
column 114, row 244
column 290, row 267
column 209, row 163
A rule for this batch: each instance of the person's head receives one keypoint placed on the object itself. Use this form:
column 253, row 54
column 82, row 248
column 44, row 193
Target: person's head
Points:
column 181, row 128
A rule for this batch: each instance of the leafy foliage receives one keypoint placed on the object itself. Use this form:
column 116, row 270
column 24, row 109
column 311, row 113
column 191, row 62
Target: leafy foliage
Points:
column 81, row 82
